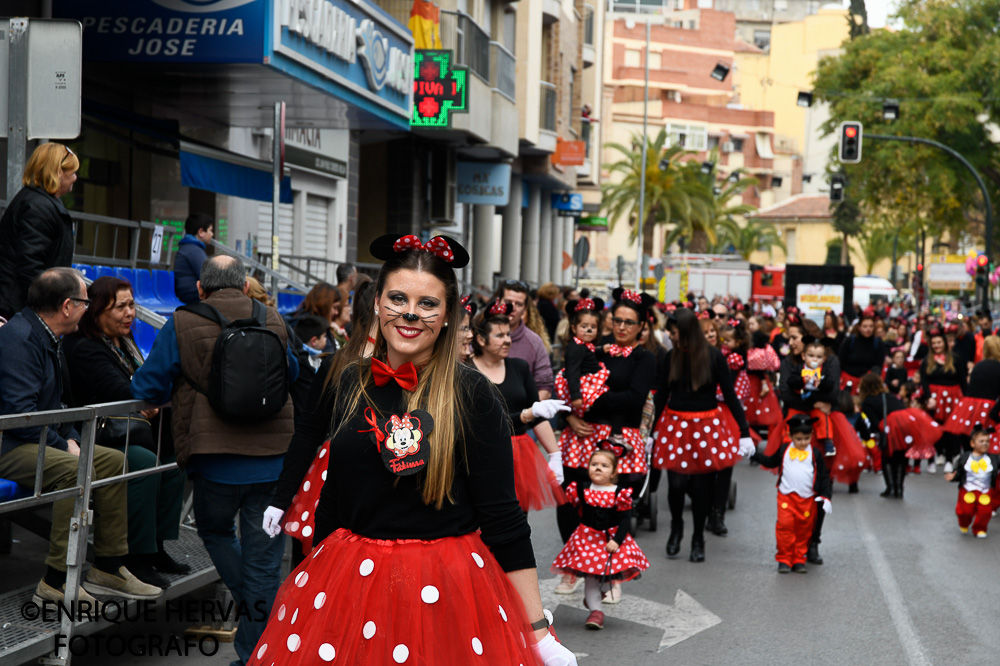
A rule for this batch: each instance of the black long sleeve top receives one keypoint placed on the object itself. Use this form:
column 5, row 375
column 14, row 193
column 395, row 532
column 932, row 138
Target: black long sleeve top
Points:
column 361, row 495
column 965, row 346
column 942, row 377
column 629, row 383
column 519, row 392
column 872, row 407
column 822, row 485
column 984, row 381
column 790, row 384
column 312, row 426
column 858, row 355
column 580, row 361
column 897, row 374
column 683, row 399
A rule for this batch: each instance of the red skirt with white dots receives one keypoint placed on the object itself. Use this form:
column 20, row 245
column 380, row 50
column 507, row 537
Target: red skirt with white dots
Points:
column 592, row 387
column 850, row 383
column 695, row 442
column 760, row 411
column 947, row 398
column 911, row 430
column 584, row 555
column 534, row 482
column 577, row 450
column 968, row 413
column 300, row 517
column 356, row 600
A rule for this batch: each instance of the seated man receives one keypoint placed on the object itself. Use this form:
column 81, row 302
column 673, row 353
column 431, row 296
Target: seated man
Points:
column 31, row 381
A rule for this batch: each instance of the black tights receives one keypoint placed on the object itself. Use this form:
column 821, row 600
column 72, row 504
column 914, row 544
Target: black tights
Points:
column 700, row 488
column 720, row 499
column 950, row 445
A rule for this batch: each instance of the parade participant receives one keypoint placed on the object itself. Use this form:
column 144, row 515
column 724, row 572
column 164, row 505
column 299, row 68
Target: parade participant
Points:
column 710, row 329
column 583, row 379
column 305, row 466
column 803, row 481
column 975, row 406
column 693, row 440
column 420, row 506
column 600, row 550
column 469, row 308
column 976, row 474
column 762, row 409
column 616, row 415
column 896, row 372
column 535, row 480
column 896, row 429
column 860, row 353
column 942, row 377
column 832, row 331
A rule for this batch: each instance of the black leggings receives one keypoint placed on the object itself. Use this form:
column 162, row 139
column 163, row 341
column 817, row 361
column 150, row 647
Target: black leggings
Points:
column 950, row 445
column 723, row 481
column 700, row 488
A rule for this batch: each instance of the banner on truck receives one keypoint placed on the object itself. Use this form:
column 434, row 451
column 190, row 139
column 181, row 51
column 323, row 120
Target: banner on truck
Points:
column 813, row 300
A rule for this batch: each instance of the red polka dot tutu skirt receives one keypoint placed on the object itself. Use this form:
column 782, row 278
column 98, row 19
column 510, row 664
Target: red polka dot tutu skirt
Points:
column 913, row 431
column 947, row 398
column 847, row 465
column 764, row 411
column 695, row 442
column 300, row 517
column 968, row 413
column 534, row 482
column 577, row 450
column 850, row 383
column 355, row 600
column 584, row 555
column 592, row 387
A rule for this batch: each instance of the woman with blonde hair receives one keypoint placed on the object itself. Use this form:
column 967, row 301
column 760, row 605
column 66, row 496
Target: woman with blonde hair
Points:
column 36, row 231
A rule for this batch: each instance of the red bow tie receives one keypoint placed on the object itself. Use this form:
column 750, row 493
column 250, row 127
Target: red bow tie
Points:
column 405, row 375
column 588, row 345
column 616, row 350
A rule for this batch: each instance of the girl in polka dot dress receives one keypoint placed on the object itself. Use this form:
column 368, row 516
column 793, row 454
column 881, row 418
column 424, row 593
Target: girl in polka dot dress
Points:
column 583, row 379
column 423, row 554
column 942, row 376
column 601, row 549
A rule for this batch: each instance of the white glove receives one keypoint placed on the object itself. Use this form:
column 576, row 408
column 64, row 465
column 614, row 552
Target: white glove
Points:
column 827, row 505
column 546, row 409
column 747, row 447
column 649, row 445
column 555, row 464
column 552, row 653
column 272, row 521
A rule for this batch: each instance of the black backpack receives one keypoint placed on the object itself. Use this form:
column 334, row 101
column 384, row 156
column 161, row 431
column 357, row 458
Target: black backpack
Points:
column 248, row 380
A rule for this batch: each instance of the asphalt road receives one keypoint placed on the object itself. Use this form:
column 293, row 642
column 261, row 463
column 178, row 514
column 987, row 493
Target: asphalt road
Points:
column 900, row 585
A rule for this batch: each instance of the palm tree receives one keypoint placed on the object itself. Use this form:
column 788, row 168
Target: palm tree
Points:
column 874, row 244
column 712, row 213
column 752, row 237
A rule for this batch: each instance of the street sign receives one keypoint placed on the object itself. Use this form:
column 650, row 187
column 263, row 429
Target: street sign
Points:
column 658, row 271
column 581, row 252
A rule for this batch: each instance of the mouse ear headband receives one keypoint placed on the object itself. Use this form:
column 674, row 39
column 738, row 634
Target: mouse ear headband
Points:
column 445, row 248
column 469, row 305
column 499, row 308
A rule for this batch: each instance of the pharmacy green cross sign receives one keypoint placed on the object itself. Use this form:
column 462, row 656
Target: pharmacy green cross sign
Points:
column 439, row 89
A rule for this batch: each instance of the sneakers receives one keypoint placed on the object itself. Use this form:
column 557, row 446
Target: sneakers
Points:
column 614, row 595
column 799, row 568
column 123, row 585
column 568, row 585
column 931, row 467
column 948, row 467
column 963, row 530
column 828, row 448
column 595, row 620
column 45, row 592
column 938, row 460
column 783, row 568
column 980, row 535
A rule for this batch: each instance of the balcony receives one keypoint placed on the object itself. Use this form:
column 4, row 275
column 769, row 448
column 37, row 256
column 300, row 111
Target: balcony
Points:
column 588, row 36
column 547, row 117
column 551, row 10
column 504, row 130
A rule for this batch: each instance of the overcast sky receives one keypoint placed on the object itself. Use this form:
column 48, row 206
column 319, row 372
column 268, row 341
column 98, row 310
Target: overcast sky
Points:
column 878, row 11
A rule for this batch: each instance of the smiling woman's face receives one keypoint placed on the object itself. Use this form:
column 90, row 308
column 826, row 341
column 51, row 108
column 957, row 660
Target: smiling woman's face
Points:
column 412, row 311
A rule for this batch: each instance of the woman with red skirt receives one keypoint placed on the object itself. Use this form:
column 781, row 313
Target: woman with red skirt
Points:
column 419, row 505
column 693, row 440
column 942, row 378
column 981, row 395
column 860, row 353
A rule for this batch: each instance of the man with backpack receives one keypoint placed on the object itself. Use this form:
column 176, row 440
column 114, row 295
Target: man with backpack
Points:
column 225, row 365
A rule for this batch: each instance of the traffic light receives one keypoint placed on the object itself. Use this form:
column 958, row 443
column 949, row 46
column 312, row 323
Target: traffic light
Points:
column 918, row 283
column 850, row 132
column 982, row 263
column 837, row 187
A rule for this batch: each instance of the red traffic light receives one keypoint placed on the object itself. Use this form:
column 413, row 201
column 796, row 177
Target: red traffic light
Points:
column 920, row 267
column 982, row 260
column 850, row 132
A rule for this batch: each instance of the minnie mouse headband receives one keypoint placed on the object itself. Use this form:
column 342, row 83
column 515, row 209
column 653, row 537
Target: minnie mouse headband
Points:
column 445, row 248
column 584, row 304
column 703, row 314
column 499, row 308
column 640, row 301
column 469, row 305
column 983, row 427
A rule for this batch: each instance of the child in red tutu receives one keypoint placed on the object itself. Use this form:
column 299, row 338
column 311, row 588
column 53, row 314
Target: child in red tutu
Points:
column 976, row 474
column 583, row 378
column 803, row 481
column 600, row 549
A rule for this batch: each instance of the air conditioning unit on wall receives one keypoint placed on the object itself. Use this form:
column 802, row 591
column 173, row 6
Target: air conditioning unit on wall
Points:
column 727, row 147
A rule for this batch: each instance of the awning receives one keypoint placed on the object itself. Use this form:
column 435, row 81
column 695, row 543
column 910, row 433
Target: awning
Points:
column 207, row 173
column 764, row 146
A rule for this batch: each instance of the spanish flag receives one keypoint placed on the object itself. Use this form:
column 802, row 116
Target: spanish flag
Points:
column 425, row 24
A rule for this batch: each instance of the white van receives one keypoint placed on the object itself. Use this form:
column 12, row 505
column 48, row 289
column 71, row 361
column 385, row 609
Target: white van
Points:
column 868, row 290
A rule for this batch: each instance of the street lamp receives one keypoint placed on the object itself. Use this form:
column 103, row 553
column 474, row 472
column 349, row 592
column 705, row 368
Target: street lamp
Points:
column 805, row 99
column 706, row 167
column 664, row 164
column 720, row 72
column 890, row 109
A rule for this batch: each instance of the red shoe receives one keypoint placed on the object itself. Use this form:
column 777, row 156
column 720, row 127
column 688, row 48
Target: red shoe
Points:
column 595, row 620
column 916, row 469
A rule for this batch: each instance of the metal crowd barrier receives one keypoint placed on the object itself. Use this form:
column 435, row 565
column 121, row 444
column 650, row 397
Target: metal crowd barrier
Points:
column 23, row 639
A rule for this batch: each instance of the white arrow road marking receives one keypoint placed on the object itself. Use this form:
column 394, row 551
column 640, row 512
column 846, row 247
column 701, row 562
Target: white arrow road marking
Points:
column 685, row 618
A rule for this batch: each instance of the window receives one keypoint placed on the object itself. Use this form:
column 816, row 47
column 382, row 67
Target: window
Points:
column 691, row 137
column 707, row 4
column 632, row 58
column 762, row 39
column 764, row 146
column 779, row 5
column 737, row 145
column 655, row 61
column 713, row 142
column 510, row 30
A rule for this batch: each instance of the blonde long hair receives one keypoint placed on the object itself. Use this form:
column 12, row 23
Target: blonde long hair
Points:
column 991, row 347
column 533, row 320
column 46, row 165
column 439, row 389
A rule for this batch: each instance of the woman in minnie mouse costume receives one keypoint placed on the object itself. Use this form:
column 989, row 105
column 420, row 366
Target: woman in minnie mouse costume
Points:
column 616, row 414
column 535, row 480
column 693, row 440
column 424, row 555
column 942, row 380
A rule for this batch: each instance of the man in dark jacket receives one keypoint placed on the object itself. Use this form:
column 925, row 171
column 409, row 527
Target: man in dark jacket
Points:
column 198, row 229
column 31, row 380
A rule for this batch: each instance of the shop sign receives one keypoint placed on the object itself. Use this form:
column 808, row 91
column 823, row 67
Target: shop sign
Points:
column 439, row 89
column 567, row 203
column 813, row 300
column 483, row 183
column 318, row 149
column 592, row 222
column 570, row 153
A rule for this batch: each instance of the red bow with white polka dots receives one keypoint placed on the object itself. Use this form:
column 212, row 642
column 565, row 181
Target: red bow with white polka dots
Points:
column 585, row 304
column 617, row 350
column 401, row 422
column 437, row 246
column 629, row 295
column 588, row 345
